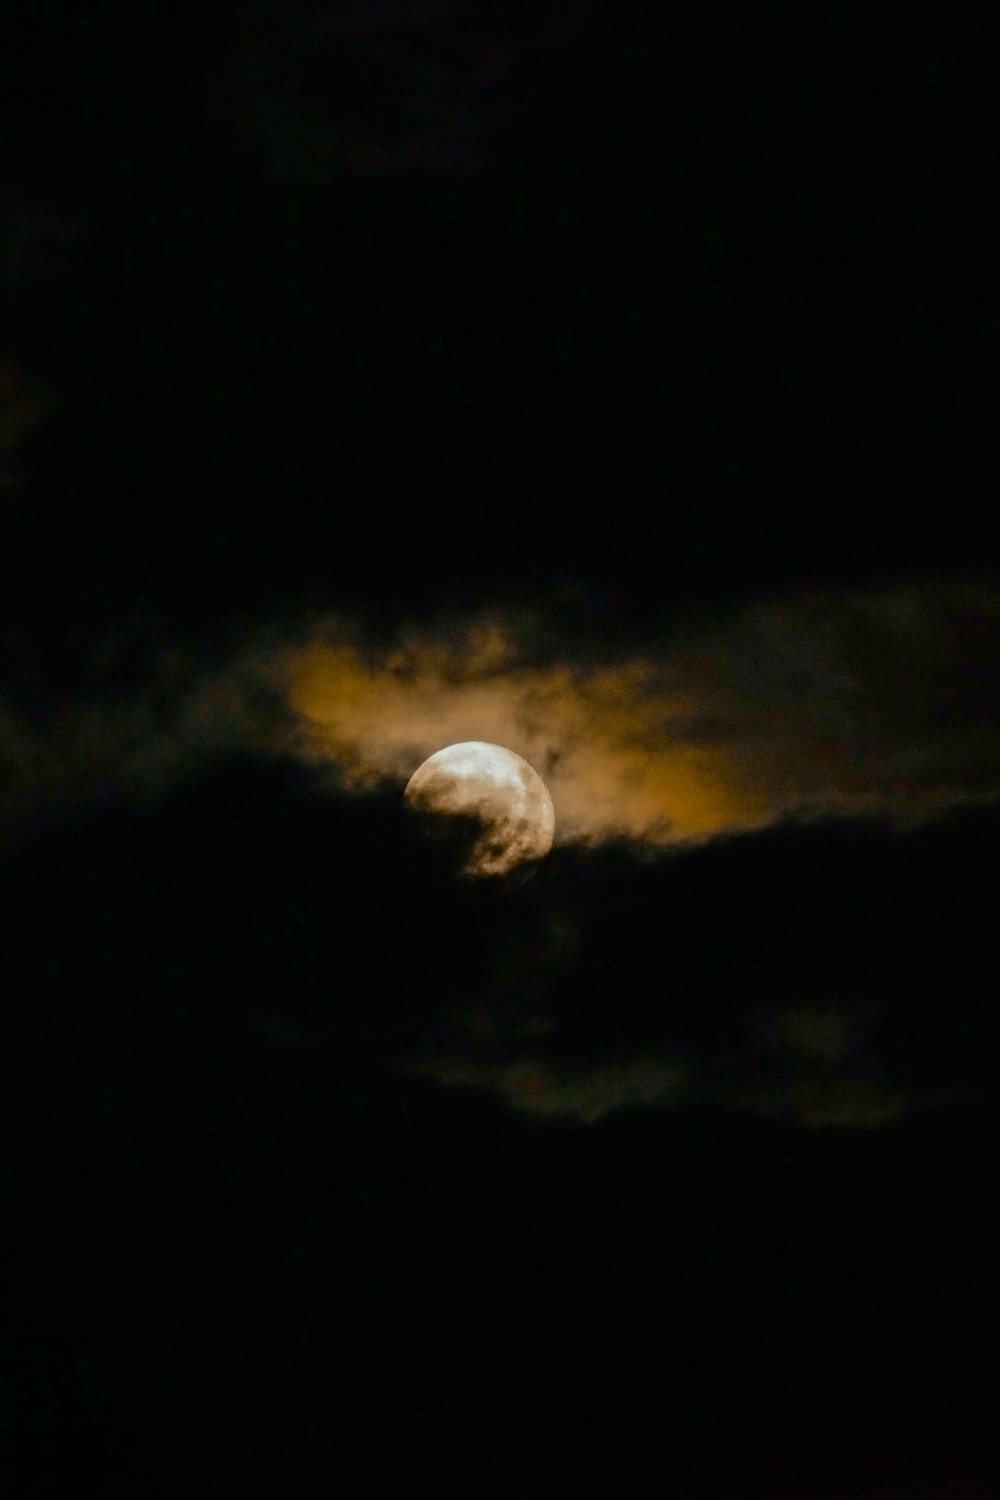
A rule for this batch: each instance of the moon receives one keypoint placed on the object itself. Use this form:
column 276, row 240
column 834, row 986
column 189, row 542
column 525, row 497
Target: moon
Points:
column 500, row 791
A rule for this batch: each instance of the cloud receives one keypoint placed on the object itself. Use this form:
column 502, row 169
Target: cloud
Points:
column 547, row 1090
column 599, row 738
column 807, row 1065
column 131, row 745
column 816, row 1083
column 878, row 704
column 534, row 1086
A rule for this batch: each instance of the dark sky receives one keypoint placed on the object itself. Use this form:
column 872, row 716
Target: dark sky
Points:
column 620, row 390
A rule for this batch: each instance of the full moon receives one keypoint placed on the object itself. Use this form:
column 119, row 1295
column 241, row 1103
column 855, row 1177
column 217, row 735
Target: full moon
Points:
column 505, row 796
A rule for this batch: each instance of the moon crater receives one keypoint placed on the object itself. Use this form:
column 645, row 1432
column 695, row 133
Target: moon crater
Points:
column 498, row 792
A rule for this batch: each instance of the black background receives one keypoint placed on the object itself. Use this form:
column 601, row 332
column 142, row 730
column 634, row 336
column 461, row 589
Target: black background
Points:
column 713, row 319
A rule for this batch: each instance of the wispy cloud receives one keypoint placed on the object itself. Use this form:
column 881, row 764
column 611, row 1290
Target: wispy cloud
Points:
column 876, row 704
column 799, row 1069
column 535, row 1086
column 546, row 1090
column 132, row 745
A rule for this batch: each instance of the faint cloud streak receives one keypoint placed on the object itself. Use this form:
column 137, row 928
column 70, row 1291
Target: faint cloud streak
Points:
column 536, row 1087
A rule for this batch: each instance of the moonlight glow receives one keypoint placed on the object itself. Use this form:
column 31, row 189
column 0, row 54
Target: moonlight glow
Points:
column 500, row 790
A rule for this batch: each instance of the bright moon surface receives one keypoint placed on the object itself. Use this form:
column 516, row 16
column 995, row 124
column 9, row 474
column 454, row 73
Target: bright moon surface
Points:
column 498, row 788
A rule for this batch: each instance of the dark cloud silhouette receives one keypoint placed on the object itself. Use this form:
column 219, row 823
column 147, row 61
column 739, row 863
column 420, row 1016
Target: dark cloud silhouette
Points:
column 765, row 977
column 758, row 976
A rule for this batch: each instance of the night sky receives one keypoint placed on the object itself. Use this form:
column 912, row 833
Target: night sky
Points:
column 621, row 390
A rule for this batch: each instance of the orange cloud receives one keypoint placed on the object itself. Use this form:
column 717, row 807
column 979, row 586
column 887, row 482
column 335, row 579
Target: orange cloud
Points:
column 877, row 704
column 600, row 738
